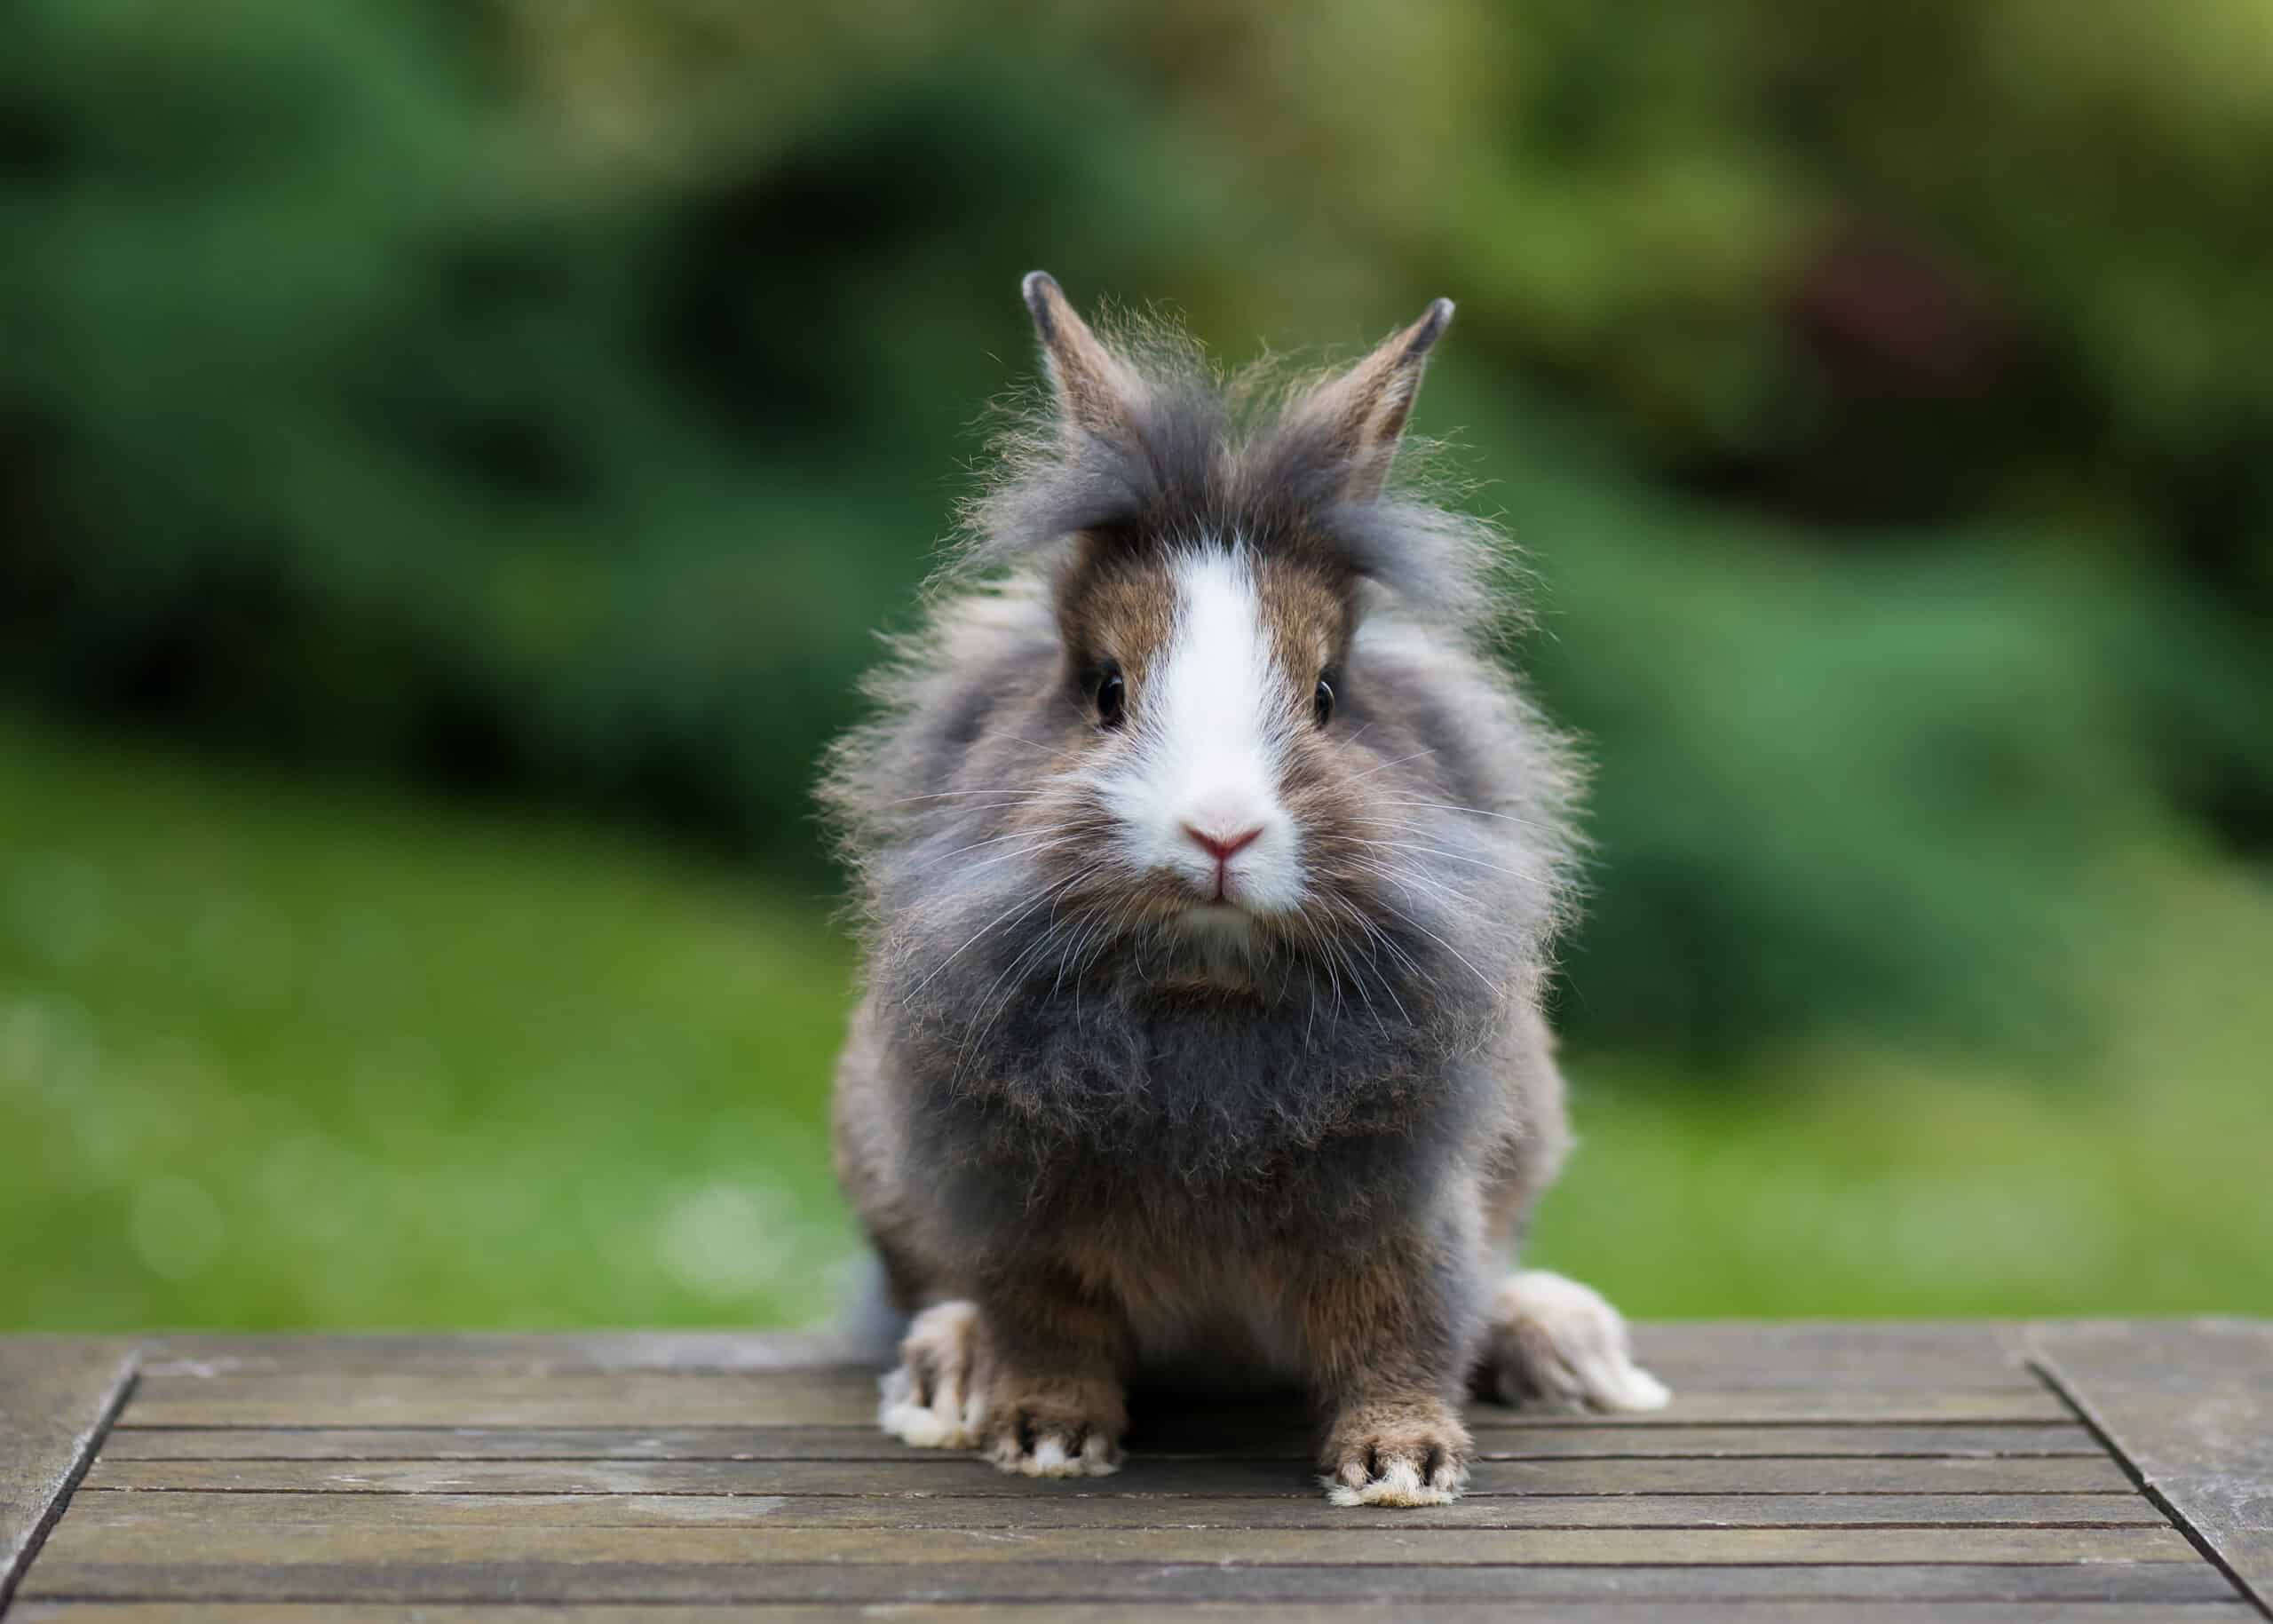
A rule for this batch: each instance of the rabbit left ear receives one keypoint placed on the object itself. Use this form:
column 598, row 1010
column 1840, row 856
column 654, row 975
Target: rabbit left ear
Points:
column 1094, row 389
column 1361, row 413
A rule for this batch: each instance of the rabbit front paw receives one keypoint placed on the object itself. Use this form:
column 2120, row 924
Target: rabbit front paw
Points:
column 1055, row 1428
column 1409, row 1452
column 1557, row 1343
column 933, row 1400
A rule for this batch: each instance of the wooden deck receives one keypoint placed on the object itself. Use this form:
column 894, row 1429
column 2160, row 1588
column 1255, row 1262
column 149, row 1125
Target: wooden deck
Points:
column 2108, row 1472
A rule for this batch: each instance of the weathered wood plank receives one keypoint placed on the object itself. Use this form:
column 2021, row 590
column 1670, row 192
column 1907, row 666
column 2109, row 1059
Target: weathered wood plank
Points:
column 56, row 1394
column 586, row 1352
column 1507, row 1441
column 942, row 1477
column 88, row 1537
column 1815, row 1471
column 397, row 1398
column 131, row 1514
column 607, row 1577
column 2190, row 1405
column 1732, row 1354
column 1710, row 1354
column 1197, row 1612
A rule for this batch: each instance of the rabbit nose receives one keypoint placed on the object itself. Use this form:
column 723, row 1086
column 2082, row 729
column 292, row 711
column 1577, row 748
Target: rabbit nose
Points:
column 1222, row 847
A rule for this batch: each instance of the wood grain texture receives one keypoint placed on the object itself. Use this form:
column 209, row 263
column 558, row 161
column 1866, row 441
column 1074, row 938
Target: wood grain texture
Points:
column 2190, row 1405
column 539, row 1354
column 1704, row 1353
column 513, row 1576
column 245, row 1538
column 350, row 1396
column 941, row 1477
column 56, row 1394
column 1849, row 1611
column 1260, row 1438
column 1806, row 1472
column 131, row 1516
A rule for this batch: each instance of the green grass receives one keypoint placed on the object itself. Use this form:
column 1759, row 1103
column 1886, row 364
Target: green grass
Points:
column 272, row 1056
column 1856, row 1184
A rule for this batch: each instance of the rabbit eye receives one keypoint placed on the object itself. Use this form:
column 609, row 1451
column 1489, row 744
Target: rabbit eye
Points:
column 1112, row 697
column 1322, row 700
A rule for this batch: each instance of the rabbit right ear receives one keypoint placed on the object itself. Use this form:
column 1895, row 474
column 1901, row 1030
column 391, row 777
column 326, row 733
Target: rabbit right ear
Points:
column 1094, row 389
column 1361, row 414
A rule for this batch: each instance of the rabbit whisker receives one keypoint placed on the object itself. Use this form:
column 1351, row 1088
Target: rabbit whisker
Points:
column 1022, row 907
column 979, row 845
column 1386, row 765
column 1441, row 942
column 1400, row 875
column 1475, row 811
column 1375, row 934
column 978, row 1034
column 954, row 795
column 1048, row 749
column 1043, row 844
column 1457, row 857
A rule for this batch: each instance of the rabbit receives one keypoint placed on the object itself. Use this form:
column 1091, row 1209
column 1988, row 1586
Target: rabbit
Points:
column 1208, row 867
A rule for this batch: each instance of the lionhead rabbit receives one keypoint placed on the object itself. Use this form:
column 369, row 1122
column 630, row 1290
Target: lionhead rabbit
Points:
column 1210, row 866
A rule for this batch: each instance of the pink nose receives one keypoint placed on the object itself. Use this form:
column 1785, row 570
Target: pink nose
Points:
column 1223, row 848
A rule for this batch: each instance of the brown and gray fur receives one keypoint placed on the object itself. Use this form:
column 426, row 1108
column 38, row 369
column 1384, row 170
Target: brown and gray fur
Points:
column 1100, row 1119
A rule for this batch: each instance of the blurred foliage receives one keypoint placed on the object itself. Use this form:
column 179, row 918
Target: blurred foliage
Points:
column 284, row 1055
column 550, row 396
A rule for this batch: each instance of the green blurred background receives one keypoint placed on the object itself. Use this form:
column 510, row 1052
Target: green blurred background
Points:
column 454, row 455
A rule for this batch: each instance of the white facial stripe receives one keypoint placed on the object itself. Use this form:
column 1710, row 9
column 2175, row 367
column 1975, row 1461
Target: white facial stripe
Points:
column 1211, row 700
column 1213, row 722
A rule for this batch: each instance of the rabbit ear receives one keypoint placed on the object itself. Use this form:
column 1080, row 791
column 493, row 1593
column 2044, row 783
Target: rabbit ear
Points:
column 1094, row 389
column 1361, row 413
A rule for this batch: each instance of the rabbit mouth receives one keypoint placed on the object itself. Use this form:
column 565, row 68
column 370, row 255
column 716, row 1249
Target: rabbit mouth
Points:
column 1221, row 944
column 1224, row 935
column 1218, row 913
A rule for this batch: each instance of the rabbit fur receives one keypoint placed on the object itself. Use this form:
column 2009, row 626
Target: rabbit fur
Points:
column 1209, row 866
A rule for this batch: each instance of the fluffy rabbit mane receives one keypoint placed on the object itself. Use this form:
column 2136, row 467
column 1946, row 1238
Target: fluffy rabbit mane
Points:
column 1031, row 1016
